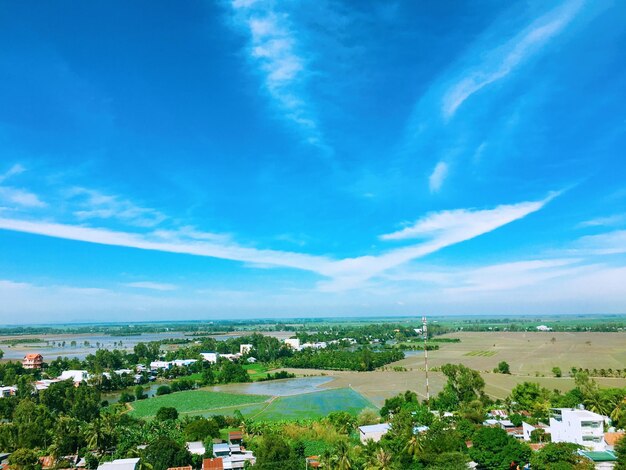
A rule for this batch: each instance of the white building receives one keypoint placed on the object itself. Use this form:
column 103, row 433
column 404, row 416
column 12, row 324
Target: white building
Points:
column 373, row 432
column 211, row 357
column 543, row 328
column 578, row 427
column 156, row 365
column 196, row 447
column 245, row 348
column 183, row 362
column 293, row 343
column 77, row 376
column 233, row 456
column 120, row 464
column 43, row 384
column 7, row 391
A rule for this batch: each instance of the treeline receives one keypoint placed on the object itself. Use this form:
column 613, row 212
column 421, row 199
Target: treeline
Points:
column 363, row 359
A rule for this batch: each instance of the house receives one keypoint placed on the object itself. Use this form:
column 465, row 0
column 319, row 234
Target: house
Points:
column 251, row 360
column 43, row 384
column 527, row 429
column 293, row 343
column 213, row 464
column 188, row 467
column 120, row 464
column 499, row 414
column 156, row 365
column 183, row 362
column 230, row 357
column 235, row 437
column 313, row 461
column 602, row 460
column 210, row 357
column 77, row 376
column 245, row 348
column 233, row 456
column 32, row 361
column 196, row 448
column 7, row 391
column 543, row 328
column 373, row 432
column 578, row 426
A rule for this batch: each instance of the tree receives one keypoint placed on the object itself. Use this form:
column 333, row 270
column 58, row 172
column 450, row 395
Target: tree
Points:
column 163, row 390
column 273, row 452
column 464, row 385
column 557, row 371
column 164, row 453
column 493, row 448
column 530, row 396
column 201, row 429
column 166, row 412
column 503, row 368
column 381, row 460
column 559, row 455
column 24, row 459
column 620, row 451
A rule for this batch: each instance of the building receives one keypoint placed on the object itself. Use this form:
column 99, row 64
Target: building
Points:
column 183, row 362
column 543, row 328
column 602, row 460
column 120, row 464
column 373, row 432
column 156, row 365
column 7, row 391
column 196, row 448
column 32, row 361
column 577, row 426
column 245, row 348
column 78, row 376
column 293, row 343
column 213, row 464
column 44, row 384
column 210, row 357
column 233, row 456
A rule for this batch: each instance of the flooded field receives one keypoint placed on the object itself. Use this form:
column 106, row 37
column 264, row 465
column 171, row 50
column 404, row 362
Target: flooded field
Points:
column 276, row 388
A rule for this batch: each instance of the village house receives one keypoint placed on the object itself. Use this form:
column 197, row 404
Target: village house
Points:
column 7, row 391
column 77, row 376
column 210, row 357
column 32, row 361
column 120, row 464
column 373, row 432
column 245, row 348
column 578, row 426
column 293, row 343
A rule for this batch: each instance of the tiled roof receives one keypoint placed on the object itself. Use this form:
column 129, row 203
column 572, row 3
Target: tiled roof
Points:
column 213, row 464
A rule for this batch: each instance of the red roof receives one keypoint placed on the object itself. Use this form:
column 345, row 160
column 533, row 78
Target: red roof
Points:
column 33, row 356
column 181, row 468
column 235, row 435
column 213, row 464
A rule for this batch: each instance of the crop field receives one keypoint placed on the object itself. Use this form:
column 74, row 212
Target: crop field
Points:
column 258, row 407
column 313, row 405
column 195, row 402
column 531, row 356
column 256, row 371
column 481, row 353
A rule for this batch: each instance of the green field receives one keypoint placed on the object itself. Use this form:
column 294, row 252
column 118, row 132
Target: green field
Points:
column 256, row 371
column 480, row 353
column 195, row 402
column 313, row 405
column 257, row 407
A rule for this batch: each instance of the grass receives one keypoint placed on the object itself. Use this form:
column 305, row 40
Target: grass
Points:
column 256, row 371
column 313, row 405
column 194, row 402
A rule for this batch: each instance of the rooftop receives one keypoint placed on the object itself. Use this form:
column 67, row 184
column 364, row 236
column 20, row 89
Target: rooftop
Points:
column 375, row 428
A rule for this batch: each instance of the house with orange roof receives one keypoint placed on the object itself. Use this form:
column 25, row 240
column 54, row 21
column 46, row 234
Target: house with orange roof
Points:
column 32, row 361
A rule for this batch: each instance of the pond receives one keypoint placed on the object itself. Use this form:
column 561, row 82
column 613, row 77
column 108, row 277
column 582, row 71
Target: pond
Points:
column 52, row 346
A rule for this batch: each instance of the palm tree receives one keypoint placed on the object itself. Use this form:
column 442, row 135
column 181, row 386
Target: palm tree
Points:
column 414, row 446
column 381, row 460
column 342, row 456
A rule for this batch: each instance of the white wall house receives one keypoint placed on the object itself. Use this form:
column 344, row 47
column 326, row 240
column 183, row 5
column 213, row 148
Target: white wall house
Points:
column 245, row 348
column 77, row 376
column 579, row 427
column 183, row 362
column 543, row 328
column 156, row 365
column 293, row 343
column 373, row 432
column 210, row 357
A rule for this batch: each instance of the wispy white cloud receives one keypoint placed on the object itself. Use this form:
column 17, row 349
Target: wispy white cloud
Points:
column 499, row 62
column 159, row 286
column 608, row 243
column 607, row 221
column 463, row 224
column 437, row 177
column 93, row 204
column 14, row 170
column 439, row 230
column 274, row 50
column 20, row 197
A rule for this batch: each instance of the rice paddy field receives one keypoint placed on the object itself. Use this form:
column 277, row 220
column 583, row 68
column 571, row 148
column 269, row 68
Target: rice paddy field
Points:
column 531, row 356
column 257, row 407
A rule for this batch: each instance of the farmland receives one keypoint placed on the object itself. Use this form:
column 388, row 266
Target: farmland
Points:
column 258, row 407
column 195, row 402
column 531, row 356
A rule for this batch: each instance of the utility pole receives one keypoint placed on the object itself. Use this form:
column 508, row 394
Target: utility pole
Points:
column 425, row 335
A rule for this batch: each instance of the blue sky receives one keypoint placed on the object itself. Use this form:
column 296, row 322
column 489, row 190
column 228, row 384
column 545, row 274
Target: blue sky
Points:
column 195, row 160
